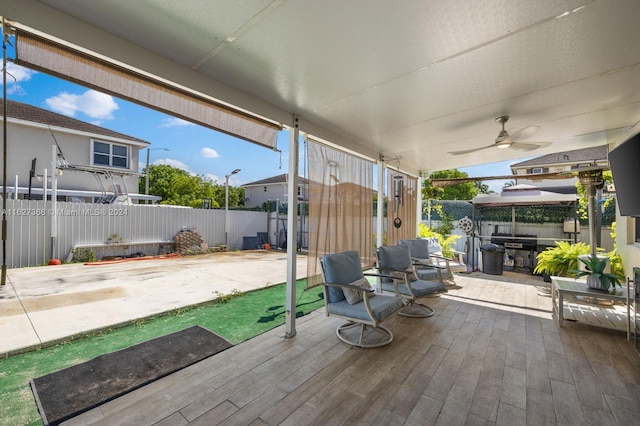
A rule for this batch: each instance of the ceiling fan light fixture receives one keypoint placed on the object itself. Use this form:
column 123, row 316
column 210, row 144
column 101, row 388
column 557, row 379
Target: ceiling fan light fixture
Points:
column 502, row 145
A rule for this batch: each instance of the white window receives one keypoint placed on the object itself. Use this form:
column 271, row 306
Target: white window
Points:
column 110, row 155
column 536, row 170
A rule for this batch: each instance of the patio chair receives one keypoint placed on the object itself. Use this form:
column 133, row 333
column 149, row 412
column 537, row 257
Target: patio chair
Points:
column 396, row 261
column 425, row 267
column 456, row 264
column 348, row 295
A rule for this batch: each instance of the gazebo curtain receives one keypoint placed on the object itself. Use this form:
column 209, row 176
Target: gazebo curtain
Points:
column 67, row 62
column 402, row 195
column 340, row 206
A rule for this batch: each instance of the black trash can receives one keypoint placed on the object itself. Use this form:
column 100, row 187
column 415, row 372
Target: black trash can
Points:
column 492, row 258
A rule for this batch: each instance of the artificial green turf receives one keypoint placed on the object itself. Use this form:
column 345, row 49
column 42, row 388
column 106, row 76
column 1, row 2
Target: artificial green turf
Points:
column 237, row 319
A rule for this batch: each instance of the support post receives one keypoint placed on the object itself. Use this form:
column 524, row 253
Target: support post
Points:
column 292, row 231
column 380, row 216
column 591, row 191
column 54, row 204
column 419, row 203
column 380, row 205
column 5, row 41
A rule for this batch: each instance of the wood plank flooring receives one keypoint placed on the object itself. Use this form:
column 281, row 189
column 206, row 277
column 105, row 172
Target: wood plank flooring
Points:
column 492, row 355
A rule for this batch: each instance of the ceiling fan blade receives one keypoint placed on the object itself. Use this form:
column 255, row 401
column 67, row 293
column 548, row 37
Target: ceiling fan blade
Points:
column 529, row 146
column 524, row 133
column 468, row 151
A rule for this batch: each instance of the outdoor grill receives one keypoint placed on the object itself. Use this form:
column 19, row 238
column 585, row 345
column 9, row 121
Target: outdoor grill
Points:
column 519, row 241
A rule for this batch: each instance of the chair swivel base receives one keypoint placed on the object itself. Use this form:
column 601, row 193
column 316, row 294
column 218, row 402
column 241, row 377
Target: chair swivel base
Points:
column 363, row 335
column 417, row 310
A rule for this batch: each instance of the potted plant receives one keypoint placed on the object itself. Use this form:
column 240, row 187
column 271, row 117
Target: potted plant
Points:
column 597, row 278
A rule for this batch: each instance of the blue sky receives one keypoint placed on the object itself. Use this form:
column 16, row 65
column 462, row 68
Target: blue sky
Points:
column 193, row 148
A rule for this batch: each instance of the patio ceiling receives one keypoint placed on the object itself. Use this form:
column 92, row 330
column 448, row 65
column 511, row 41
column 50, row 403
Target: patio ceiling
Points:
column 415, row 79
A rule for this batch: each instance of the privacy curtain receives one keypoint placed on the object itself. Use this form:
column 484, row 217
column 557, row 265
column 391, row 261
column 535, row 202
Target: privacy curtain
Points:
column 69, row 63
column 402, row 196
column 340, row 206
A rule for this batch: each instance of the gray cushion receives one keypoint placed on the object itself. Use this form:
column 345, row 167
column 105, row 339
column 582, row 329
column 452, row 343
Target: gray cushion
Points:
column 394, row 258
column 429, row 273
column 382, row 307
column 341, row 268
column 420, row 288
column 418, row 248
column 354, row 296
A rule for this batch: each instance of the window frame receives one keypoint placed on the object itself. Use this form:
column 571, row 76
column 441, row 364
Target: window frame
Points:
column 110, row 155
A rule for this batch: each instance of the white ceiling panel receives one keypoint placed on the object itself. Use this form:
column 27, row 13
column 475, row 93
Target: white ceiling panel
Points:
column 414, row 78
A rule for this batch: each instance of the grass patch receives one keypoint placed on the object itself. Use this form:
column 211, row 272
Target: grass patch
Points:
column 236, row 317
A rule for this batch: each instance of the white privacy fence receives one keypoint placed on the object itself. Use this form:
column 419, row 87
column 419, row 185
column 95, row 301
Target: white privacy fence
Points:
column 30, row 222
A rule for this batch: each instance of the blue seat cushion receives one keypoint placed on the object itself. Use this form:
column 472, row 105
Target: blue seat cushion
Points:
column 341, row 268
column 420, row 288
column 425, row 273
column 382, row 307
column 418, row 249
column 394, row 258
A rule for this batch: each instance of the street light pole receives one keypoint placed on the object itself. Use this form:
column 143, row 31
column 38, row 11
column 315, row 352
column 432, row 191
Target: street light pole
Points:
column 226, row 206
column 146, row 170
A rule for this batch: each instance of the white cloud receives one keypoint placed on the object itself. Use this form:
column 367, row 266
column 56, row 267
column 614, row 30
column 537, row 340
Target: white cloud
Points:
column 209, row 153
column 175, row 122
column 213, row 178
column 16, row 75
column 233, row 181
column 173, row 163
column 92, row 103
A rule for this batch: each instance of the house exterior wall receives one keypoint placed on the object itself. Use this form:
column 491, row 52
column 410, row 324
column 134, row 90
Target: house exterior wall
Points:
column 256, row 195
column 25, row 142
column 549, row 184
column 627, row 246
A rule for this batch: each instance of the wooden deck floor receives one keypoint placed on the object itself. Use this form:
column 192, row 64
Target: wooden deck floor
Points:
column 492, row 354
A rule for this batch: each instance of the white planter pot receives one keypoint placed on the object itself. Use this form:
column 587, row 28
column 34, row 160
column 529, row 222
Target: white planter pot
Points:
column 594, row 282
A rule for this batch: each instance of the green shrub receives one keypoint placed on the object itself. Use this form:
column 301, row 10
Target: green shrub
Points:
column 82, row 255
column 445, row 242
column 614, row 258
column 561, row 259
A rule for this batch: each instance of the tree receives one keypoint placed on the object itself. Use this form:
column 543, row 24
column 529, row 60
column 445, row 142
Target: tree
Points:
column 461, row 191
column 583, row 202
column 180, row 188
column 483, row 188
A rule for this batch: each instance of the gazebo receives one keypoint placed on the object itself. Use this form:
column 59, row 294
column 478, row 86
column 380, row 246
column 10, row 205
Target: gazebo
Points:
column 535, row 206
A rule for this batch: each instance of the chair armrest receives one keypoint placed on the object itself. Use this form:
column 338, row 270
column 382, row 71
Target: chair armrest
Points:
column 439, row 256
column 404, row 271
column 425, row 262
column 373, row 274
column 456, row 252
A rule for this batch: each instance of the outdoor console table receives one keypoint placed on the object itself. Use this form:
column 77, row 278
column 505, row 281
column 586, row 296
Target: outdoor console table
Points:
column 560, row 287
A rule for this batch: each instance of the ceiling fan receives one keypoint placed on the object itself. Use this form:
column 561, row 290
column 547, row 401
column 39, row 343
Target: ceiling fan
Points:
column 504, row 140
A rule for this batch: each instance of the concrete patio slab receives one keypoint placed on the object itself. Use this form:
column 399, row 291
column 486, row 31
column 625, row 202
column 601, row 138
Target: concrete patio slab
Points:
column 45, row 304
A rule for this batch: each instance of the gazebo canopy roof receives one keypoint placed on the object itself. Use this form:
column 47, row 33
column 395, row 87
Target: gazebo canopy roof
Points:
column 523, row 195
